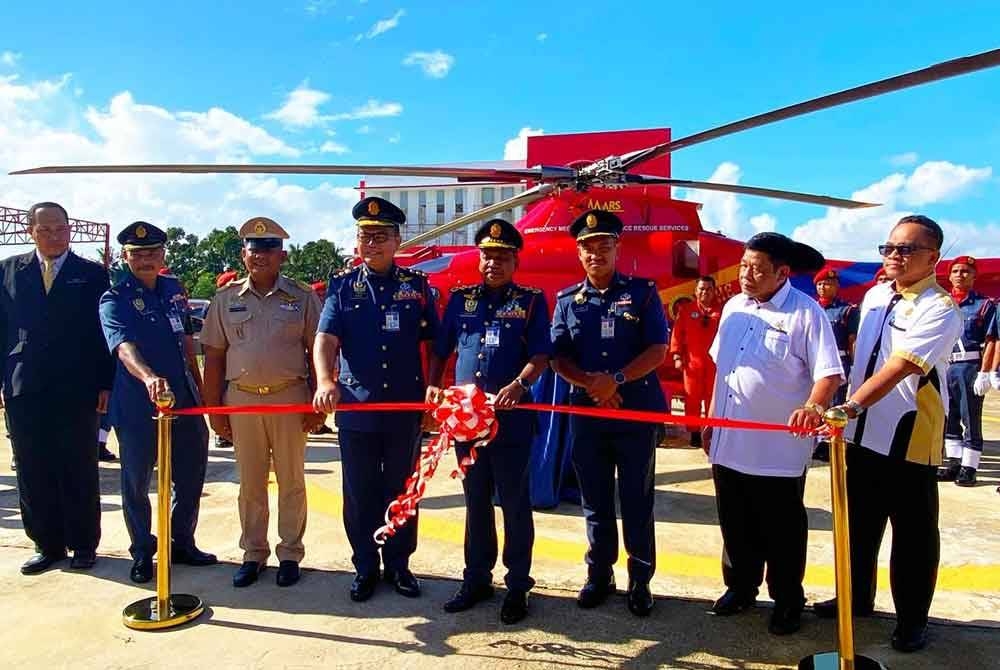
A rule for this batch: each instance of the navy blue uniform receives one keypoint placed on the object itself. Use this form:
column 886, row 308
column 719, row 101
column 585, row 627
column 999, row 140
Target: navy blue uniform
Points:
column 156, row 322
column 844, row 317
column 603, row 333
column 965, row 408
column 380, row 321
column 496, row 332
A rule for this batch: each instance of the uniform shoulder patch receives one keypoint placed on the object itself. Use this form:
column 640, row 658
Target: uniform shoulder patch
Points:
column 569, row 290
column 461, row 287
column 531, row 289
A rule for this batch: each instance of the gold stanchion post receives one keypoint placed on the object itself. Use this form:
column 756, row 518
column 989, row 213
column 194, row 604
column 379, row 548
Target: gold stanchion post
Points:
column 844, row 658
column 164, row 610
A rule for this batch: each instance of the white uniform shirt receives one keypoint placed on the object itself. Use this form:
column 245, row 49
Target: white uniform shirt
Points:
column 922, row 327
column 769, row 355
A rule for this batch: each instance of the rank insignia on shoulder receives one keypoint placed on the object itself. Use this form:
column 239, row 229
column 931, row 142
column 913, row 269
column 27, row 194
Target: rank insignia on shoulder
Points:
column 139, row 304
column 580, row 298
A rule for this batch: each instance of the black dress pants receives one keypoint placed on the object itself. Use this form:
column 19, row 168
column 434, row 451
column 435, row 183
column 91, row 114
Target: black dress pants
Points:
column 57, row 476
column 881, row 489
column 763, row 521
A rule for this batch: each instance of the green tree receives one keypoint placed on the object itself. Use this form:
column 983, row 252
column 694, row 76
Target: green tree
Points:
column 203, row 286
column 182, row 255
column 114, row 263
column 219, row 250
column 314, row 260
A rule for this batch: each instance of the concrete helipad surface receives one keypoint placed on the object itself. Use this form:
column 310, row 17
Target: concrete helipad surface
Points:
column 67, row 618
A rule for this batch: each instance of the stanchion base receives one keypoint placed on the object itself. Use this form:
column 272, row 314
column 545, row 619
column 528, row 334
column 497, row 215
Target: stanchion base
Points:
column 830, row 660
column 142, row 614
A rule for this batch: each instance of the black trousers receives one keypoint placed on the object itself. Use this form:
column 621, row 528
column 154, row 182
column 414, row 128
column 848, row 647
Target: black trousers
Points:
column 55, row 443
column 600, row 449
column 376, row 465
column 502, row 464
column 763, row 521
column 881, row 489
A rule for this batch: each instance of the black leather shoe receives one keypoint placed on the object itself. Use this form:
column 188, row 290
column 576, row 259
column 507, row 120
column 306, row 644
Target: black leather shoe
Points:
column 248, row 573
column 404, row 582
column 83, row 559
column 514, row 608
column 966, row 476
column 41, row 562
column 467, row 596
column 639, row 599
column 948, row 471
column 103, row 454
column 909, row 638
column 595, row 592
column 363, row 587
column 695, row 439
column 733, row 602
column 827, row 609
column 142, row 570
column 288, row 573
column 785, row 620
column 192, row 556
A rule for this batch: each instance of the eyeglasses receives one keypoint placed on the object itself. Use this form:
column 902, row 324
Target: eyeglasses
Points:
column 902, row 249
column 373, row 238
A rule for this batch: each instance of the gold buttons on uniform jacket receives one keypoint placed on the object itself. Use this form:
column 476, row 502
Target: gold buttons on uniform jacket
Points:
column 385, row 366
column 480, row 356
column 479, row 373
column 384, row 348
column 385, row 385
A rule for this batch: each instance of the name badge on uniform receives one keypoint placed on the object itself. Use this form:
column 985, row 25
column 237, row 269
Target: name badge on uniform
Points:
column 392, row 322
column 492, row 336
column 175, row 324
column 607, row 327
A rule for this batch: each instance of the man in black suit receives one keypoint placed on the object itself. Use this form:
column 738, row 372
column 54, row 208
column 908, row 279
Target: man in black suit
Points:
column 56, row 370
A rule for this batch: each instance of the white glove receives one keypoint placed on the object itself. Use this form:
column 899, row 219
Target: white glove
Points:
column 995, row 380
column 982, row 383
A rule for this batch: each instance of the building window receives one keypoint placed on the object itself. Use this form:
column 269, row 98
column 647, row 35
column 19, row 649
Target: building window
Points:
column 488, row 196
column 385, row 195
column 439, row 209
column 459, row 202
column 506, row 192
column 404, row 200
column 422, row 209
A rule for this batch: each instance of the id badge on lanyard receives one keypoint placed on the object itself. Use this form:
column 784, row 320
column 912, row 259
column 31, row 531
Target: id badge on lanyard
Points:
column 392, row 321
column 607, row 327
column 175, row 323
column 493, row 336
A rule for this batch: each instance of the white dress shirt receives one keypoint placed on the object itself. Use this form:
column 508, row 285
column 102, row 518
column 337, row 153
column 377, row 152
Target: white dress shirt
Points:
column 769, row 355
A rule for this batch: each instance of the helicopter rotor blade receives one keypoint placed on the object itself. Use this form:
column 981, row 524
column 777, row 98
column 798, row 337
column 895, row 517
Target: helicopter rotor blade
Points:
column 951, row 68
column 529, row 196
column 826, row 200
column 462, row 173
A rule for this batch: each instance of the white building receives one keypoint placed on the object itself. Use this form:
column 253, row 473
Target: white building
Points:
column 430, row 202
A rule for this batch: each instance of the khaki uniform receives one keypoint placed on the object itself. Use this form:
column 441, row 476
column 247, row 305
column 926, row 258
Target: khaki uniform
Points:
column 266, row 338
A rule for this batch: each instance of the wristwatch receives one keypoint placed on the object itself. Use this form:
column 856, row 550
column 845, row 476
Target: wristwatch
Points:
column 854, row 407
column 619, row 377
column 523, row 384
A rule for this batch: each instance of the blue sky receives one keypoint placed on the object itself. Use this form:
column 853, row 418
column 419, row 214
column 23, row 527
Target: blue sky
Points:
column 433, row 82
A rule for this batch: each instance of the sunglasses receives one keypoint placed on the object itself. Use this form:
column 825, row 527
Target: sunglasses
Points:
column 887, row 250
column 374, row 238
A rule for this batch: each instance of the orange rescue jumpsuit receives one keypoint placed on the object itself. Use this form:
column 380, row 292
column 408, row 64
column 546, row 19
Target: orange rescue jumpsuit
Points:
column 694, row 330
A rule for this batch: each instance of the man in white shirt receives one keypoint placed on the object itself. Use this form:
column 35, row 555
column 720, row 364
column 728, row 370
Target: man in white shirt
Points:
column 898, row 394
column 777, row 362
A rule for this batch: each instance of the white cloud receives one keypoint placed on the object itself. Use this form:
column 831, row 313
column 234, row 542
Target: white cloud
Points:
column 317, row 7
column 856, row 233
column 127, row 131
column 382, row 26
column 9, row 58
column 516, row 148
column 364, row 130
column 941, row 181
column 373, row 109
column 904, row 159
column 435, row 64
column 301, row 108
column 541, row 37
column 394, row 139
column 331, row 147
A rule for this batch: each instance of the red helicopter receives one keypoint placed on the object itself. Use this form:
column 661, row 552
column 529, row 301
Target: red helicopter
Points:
column 663, row 237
